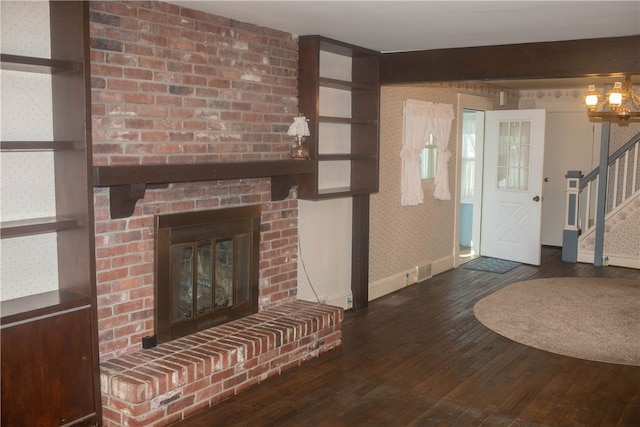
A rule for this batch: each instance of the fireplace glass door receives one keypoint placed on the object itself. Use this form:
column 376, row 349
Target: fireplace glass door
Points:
column 206, row 272
column 204, row 275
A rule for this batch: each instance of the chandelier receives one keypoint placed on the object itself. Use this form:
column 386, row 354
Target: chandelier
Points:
column 617, row 104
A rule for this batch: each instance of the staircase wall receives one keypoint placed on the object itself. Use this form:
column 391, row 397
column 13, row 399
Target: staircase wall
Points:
column 621, row 238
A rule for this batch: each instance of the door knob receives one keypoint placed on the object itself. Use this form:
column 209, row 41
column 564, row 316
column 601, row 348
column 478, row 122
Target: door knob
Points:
column 536, row 198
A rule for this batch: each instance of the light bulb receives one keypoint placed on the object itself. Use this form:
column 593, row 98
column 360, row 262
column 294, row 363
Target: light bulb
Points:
column 615, row 96
column 591, row 98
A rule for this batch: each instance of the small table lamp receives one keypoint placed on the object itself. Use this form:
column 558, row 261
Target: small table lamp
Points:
column 299, row 128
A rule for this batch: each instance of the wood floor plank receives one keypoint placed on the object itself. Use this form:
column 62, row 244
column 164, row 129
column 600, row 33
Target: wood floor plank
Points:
column 419, row 357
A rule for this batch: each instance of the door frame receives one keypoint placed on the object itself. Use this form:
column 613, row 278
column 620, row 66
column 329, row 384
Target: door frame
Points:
column 467, row 102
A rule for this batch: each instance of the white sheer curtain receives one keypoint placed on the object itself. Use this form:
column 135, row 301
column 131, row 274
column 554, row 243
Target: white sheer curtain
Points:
column 441, row 118
column 421, row 119
column 416, row 132
column 467, row 167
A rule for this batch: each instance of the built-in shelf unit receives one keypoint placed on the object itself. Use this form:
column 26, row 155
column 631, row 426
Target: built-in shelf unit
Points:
column 339, row 93
column 50, row 373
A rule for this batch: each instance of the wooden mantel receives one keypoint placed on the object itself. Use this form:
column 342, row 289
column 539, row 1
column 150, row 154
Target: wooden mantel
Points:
column 127, row 184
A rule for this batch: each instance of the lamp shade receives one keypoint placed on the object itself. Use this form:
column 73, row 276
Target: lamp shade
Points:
column 591, row 98
column 615, row 96
column 299, row 127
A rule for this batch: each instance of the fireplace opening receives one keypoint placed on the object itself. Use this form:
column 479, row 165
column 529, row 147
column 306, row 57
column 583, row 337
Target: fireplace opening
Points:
column 206, row 269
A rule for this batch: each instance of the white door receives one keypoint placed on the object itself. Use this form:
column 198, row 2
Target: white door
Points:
column 512, row 185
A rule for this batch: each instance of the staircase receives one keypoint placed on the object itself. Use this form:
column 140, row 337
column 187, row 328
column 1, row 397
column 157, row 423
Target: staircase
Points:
column 621, row 245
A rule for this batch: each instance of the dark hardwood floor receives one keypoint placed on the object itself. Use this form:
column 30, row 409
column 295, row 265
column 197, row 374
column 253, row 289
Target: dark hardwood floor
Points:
column 418, row 357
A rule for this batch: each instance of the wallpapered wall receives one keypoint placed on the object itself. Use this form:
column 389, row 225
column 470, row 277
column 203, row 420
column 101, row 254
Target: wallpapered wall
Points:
column 402, row 237
column 621, row 240
column 620, row 133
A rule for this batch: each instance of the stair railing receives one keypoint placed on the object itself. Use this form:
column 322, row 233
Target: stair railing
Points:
column 622, row 170
column 623, row 182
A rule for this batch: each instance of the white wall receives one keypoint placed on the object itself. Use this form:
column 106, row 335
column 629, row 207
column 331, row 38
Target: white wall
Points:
column 324, row 228
column 572, row 142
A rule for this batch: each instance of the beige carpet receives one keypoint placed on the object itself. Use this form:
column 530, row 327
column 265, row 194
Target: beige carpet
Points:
column 588, row 318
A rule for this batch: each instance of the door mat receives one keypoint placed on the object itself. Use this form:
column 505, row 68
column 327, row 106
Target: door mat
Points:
column 492, row 265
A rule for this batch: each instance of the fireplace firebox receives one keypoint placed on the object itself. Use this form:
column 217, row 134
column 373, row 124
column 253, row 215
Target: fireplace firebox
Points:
column 206, row 269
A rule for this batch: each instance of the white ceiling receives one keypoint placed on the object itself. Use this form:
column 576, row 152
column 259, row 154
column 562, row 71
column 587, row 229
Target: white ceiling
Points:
column 391, row 26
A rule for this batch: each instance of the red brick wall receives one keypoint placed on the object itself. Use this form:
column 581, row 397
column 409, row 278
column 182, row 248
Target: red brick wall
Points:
column 174, row 85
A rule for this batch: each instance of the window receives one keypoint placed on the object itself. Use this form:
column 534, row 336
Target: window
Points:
column 428, row 159
column 513, row 155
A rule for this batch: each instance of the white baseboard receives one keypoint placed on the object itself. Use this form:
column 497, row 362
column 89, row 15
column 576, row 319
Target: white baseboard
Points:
column 340, row 300
column 614, row 260
column 387, row 285
column 406, row 278
column 443, row 264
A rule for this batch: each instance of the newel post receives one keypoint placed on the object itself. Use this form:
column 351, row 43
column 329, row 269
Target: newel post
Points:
column 571, row 229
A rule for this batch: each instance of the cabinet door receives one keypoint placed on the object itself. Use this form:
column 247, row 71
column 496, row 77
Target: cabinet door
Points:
column 47, row 374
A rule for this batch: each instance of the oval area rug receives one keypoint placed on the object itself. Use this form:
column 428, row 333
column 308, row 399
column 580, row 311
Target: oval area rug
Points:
column 585, row 317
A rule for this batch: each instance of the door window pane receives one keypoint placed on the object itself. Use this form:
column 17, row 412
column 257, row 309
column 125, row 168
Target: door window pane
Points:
column 514, row 139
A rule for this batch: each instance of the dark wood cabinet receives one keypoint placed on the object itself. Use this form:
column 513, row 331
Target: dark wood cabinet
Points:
column 47, row 370
column 49, row 354
column 339, row 92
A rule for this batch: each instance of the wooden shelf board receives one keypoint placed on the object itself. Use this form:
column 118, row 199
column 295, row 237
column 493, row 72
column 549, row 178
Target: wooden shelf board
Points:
column 128, row 183
column 106, row 176
column 31, row 226
column 331, row 193
column 346, row 120
column 341, row 48
column 29, row 307
column 37, row 145
column 37, row 65
column 345, row 156
column 344, row 84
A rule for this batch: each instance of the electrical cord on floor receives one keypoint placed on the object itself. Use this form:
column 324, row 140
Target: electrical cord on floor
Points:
column 304, row 267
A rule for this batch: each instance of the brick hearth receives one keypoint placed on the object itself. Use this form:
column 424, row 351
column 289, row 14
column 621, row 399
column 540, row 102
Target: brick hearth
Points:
column 165, row 384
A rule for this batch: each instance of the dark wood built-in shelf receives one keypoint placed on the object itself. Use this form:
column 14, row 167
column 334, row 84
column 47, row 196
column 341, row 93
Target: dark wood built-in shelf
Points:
column 343, row 156
column 49, row 341
column 332, row 193
column 39, row 305
column 343, row 84
column 37, row 65
column 38, row 145
column 128, row 183
column 347, row 120
column 355, row 164
column 31, row 226
column 356, row 167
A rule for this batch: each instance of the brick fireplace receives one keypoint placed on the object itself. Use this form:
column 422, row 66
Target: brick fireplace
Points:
column 174, row 86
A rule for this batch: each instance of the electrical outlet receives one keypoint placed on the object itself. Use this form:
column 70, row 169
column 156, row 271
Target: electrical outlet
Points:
column 348, row 303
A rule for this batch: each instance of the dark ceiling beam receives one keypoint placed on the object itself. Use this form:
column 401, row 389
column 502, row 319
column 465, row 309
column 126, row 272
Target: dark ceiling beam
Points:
column 575, row 58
